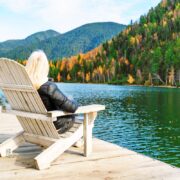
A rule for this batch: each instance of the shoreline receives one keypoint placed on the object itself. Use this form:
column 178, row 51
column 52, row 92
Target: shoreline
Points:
column 138, row 85
column 173, row 87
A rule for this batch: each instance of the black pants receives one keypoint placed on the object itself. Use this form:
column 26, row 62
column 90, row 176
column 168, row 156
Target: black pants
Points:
column 64, row 123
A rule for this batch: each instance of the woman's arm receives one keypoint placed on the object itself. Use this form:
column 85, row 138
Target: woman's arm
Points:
column 60, row 101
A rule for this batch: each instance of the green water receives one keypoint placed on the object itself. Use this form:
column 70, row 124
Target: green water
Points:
column 146, row 120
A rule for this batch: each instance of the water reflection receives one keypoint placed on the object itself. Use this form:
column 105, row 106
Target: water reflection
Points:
column 146, row 120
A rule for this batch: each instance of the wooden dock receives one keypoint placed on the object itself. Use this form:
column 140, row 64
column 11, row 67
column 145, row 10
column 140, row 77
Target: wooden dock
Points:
column 107, row 162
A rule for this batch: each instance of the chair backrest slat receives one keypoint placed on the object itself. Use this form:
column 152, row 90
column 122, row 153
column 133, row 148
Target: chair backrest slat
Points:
column 16, row 83
column 22, row 96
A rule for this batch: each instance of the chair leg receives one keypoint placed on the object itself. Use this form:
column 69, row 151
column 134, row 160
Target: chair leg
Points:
column 87, row 134
column 44, row 160
column 8, row 146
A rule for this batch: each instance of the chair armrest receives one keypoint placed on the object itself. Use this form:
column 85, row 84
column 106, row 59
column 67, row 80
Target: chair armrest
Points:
column 80, row 110
column 27, row 114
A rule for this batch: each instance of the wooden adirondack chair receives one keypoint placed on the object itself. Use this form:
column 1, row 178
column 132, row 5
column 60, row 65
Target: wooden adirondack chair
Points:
column 36, row 121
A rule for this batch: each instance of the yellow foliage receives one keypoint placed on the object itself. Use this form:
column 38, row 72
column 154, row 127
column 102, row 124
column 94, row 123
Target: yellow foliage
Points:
column 155, row 36
column 70, row 65
column 170, row 13
column 57, row 64
column 145, row 25
column 25, row 62
column 176, row 13
column 130, row 79
column 79, row 73
column 100, row 70
column 171, row 76
column 68, row 77
column 126, row 62
column 132, row 40
column 51, row 64
column 58, row 77
column 62, row 66
column 93, row 75
column 87, row 77
column 164, row 23
column 137, row 40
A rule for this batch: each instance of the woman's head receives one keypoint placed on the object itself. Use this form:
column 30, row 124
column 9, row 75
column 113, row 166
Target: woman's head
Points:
column 37, row 68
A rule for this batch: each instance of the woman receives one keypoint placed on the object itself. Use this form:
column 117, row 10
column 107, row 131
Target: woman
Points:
column 38, row 69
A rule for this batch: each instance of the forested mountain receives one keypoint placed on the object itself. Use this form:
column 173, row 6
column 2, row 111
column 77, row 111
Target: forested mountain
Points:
column 9, row 45
column 146, row 52
column 55, row 45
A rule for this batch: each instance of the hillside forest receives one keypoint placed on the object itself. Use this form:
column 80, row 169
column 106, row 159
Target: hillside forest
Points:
column 146, row 53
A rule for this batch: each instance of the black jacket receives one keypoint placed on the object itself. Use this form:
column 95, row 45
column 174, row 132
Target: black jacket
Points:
column 54, row 99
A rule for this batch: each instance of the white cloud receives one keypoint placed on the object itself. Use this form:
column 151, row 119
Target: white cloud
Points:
column 18, row 6
column 64, row 15
column 68, row 14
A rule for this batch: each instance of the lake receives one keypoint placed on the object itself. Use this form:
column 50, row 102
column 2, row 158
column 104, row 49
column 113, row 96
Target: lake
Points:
column 143, row 119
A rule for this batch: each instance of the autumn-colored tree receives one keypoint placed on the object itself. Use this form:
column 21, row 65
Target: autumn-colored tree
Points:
column 68, row 77
column 130, row 79
column 58, row 77
column 87, row 77
column 24, row 62
column 132, row 40
column 63, row 64
column 57, row 64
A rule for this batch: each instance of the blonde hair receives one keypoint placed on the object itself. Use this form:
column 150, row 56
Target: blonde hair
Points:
column 37, row 68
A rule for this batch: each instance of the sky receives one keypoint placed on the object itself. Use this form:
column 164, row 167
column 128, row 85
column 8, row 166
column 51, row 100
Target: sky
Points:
column 21, row 18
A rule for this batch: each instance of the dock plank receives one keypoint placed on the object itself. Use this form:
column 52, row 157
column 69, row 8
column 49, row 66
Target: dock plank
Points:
column 108, row 161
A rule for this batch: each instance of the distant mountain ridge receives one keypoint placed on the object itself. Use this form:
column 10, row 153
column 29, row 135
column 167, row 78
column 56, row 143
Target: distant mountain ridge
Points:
column 9, row 45
column 56, row 45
